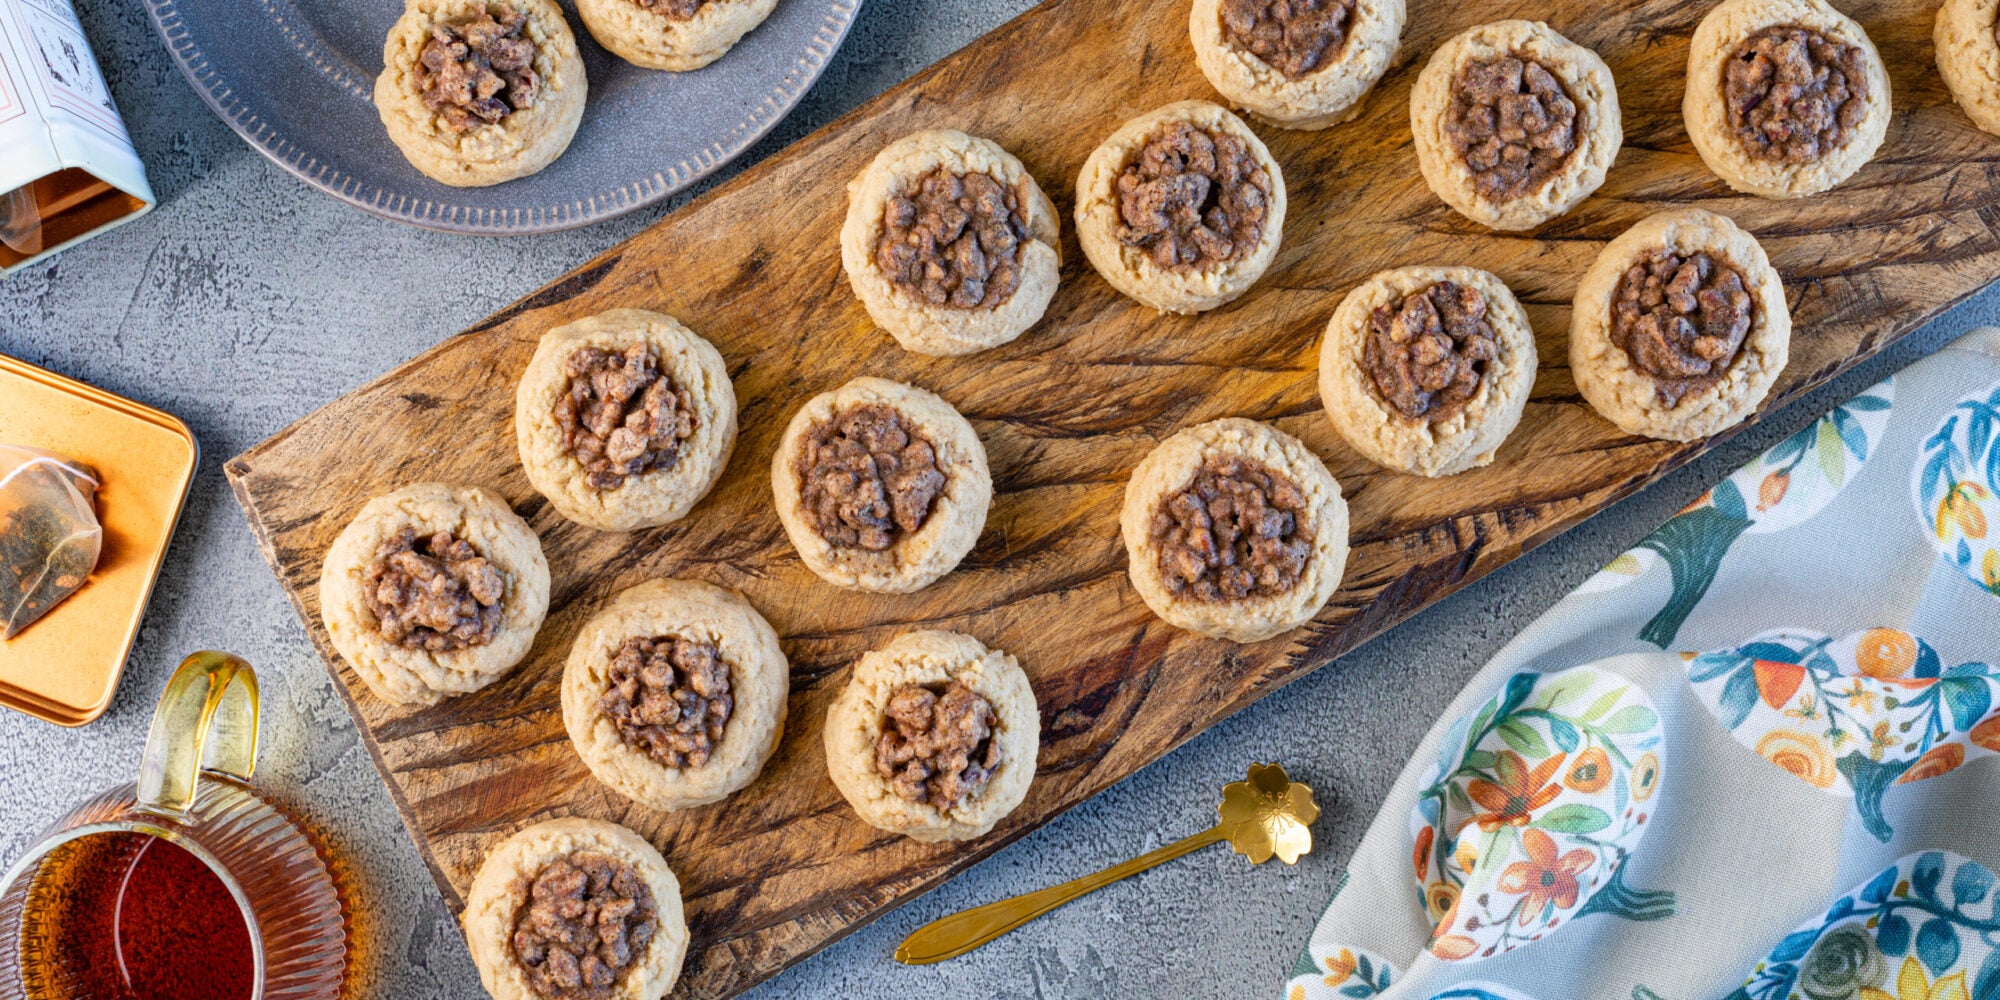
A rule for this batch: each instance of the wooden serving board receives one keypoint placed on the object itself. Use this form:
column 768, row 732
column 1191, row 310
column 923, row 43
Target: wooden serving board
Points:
column 784, row 867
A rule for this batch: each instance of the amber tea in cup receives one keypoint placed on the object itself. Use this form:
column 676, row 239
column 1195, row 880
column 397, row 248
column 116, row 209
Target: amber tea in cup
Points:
column 186, row 885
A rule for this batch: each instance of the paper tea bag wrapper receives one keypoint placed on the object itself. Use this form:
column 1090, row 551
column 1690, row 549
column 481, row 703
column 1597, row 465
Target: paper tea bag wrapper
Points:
column 67, row 169
column 50, row 537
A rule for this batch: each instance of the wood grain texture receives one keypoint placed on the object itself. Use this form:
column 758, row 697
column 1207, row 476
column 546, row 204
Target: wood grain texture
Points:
column 784, row 868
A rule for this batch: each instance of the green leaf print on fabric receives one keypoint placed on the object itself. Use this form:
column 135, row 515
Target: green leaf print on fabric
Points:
column 1533, row 810
column 1924, row 928
column 1784, row 487
column 1854, row 715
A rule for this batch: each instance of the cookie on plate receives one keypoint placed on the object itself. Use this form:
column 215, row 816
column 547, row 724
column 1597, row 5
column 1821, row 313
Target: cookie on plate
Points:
column 674, row 695
column 433, row 590
column 624, row 419
column 1181, row 208
column 576, row 908
column 950, row 243
column 676, row 35
column 1234, row 529
column 934, row 736
column 1427, row 369
column 1968, row 57
column 881, row 486
column 1785, row 98
column 1680, row 327
column 476, row 92
column 1514, row 124
column 1302, row 64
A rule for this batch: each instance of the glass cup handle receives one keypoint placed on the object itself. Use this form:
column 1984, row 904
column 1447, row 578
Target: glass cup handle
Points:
column 209, row 709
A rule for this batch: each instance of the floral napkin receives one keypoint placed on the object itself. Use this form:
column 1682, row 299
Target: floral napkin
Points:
column 1754, row 757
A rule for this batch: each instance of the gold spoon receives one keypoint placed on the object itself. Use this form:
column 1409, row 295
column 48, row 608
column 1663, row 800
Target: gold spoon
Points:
column 1264, row 815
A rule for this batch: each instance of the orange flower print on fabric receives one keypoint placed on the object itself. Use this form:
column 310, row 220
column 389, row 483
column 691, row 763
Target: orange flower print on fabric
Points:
column 1546, row 876
column 1960, row 509
column 1645, row 777
column 1590, row 771
column 1885, row 652
column 1422, row 856
column 1940, row 760
column 1806, row 756
column 1440, row 900
column 1340, row 968
column 1771, row 492
column 1987, row 734
column 1777, row 682
column 1518, row 792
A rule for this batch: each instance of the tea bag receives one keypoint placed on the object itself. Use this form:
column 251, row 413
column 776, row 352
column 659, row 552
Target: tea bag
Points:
column 49, row 533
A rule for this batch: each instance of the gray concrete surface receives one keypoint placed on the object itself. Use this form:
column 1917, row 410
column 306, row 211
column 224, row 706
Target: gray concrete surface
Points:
column 228, row 306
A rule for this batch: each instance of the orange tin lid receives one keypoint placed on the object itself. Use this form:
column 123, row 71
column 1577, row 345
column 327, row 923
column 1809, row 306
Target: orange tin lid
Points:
column 64, row 668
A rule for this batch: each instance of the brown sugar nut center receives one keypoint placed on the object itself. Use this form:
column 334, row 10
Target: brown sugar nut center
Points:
column 1512, row 122
column 478, row 71
column 435, row 593
column 621, row 415
column 1428, row 352
column 1794, row 94
column 1294, row 37
column 1238, row 530
column 670, row 698
column 1192, row 197
column 584, row 924
column 953, row 240
column 937, row 744
column 1681, row 319
column 867, row 478
column 679, row 10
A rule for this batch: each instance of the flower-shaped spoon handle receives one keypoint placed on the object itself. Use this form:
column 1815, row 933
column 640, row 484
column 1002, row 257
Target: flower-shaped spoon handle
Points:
column 1265, row 815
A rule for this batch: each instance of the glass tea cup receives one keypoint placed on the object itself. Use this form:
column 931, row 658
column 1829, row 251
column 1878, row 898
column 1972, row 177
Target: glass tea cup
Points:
column 186, row 884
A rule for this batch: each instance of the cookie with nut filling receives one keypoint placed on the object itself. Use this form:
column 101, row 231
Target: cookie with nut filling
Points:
column 934, row 736
column 1427, row 369
column 676, row 35
column 950, row 243
column 433, row 590
column 576, row 909
column 881, row 486
column 674, row 695
column 1182, row 208
column 1514, row 124
column 1785, row 98
column 1302, row 64
column 1967, row 38
column 477, row 92
column 1234, row 529
column 624, row 419
column 1680, row 327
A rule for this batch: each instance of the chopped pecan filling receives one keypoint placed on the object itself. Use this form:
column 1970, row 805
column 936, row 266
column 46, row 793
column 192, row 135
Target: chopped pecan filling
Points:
column 1294, row 37
column 937, row 744
column 1681, row 320
column 584, row 924
column 1192, row 198
column 479, row 71
column 622, row 416
column 679, row 10
column 1428, row 352
column 953, row 240
column 436, row 593
column 1512, row 122
column 1793, row 94
column 670, row 698
column 1238, row 530
column 867, row 478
